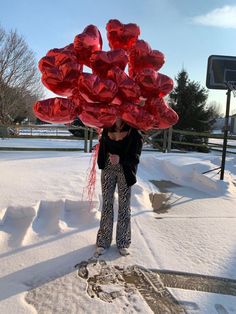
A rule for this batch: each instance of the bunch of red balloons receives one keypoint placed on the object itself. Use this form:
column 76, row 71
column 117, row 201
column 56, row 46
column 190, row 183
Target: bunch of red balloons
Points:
column 108, row 92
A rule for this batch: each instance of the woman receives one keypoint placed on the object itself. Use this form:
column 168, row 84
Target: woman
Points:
column 118, row 157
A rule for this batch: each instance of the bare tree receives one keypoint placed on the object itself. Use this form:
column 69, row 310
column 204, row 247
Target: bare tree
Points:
column 20, row 84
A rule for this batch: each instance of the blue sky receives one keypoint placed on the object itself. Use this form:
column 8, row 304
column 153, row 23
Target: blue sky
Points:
column 186, row 31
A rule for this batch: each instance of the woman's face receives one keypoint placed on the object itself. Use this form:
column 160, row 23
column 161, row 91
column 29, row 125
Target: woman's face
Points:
column 119, row 123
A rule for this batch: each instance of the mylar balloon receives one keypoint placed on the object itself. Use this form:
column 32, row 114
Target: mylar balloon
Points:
column 63, row 55
column 98, row 115
column 86, row 43
column 60, row 70
column 136, row 116
column 121, row 35
column 128, row 89
column 102, row 62
column 56, row 110
column 154, row 84
column 164, row 116
column 96, row 89
column 142, row 56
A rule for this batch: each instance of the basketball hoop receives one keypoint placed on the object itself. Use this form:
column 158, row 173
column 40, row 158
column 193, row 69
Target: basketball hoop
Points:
column 232, row 86
column 221, row 74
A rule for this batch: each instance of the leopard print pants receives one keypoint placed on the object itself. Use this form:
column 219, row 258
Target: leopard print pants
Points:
column 110, row 176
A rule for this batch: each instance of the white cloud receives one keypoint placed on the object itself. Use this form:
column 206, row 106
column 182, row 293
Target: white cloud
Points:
column 224, row 17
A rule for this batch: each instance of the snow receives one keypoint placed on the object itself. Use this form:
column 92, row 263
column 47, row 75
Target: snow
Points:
column 41, row 143
column 230, row 143
column 47, row 225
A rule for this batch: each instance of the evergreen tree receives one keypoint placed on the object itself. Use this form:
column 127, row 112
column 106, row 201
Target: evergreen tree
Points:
column 188, row 99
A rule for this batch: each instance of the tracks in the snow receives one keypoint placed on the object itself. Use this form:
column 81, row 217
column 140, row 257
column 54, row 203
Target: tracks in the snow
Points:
column 153, row 284
column 108, row 282
column 20, row 226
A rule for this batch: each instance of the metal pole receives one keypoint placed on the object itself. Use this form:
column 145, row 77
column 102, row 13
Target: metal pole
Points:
column 86, row 139
column 91, row 140
column 169, row 139
column 225, row 135
column 164, row 141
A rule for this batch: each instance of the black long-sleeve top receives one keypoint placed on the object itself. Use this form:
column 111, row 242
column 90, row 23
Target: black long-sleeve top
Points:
column 129, row 150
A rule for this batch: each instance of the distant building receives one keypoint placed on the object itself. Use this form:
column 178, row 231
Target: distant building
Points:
column 233, row 124
column 218, row 126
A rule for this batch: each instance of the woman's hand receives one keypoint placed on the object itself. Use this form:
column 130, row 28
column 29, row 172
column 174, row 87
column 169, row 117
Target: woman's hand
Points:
column 114, row 159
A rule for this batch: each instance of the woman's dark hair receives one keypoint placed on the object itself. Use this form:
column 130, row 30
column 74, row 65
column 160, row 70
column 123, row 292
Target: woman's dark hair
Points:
column 125, row 127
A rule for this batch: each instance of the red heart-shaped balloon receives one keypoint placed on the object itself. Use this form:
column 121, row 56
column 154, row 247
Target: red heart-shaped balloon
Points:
column 136, row 116
column 60, row 70
column 154, row 84
column 142, row 56
column 128, row 89
column 86, row 43
column 102, row 61
column 63, row 55
column 97, row 89
column 98, row 115
column 121, row 35
column 164, row 116
column 56, row 110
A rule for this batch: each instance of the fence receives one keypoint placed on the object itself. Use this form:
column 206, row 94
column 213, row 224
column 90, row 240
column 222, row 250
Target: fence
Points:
column 207, row 142
column 46, row 132
column 161, row 140
column 201, row 141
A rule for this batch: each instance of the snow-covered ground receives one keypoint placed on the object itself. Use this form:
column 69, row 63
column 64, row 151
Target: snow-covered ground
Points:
column 47, row 225
column 230, row 143
column 42, row 143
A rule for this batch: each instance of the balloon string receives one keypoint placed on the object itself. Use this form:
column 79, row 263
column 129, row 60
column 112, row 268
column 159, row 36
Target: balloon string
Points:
column 91, row 176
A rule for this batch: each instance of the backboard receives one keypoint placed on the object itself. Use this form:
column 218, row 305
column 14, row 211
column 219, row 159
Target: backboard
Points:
column 220, row 71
